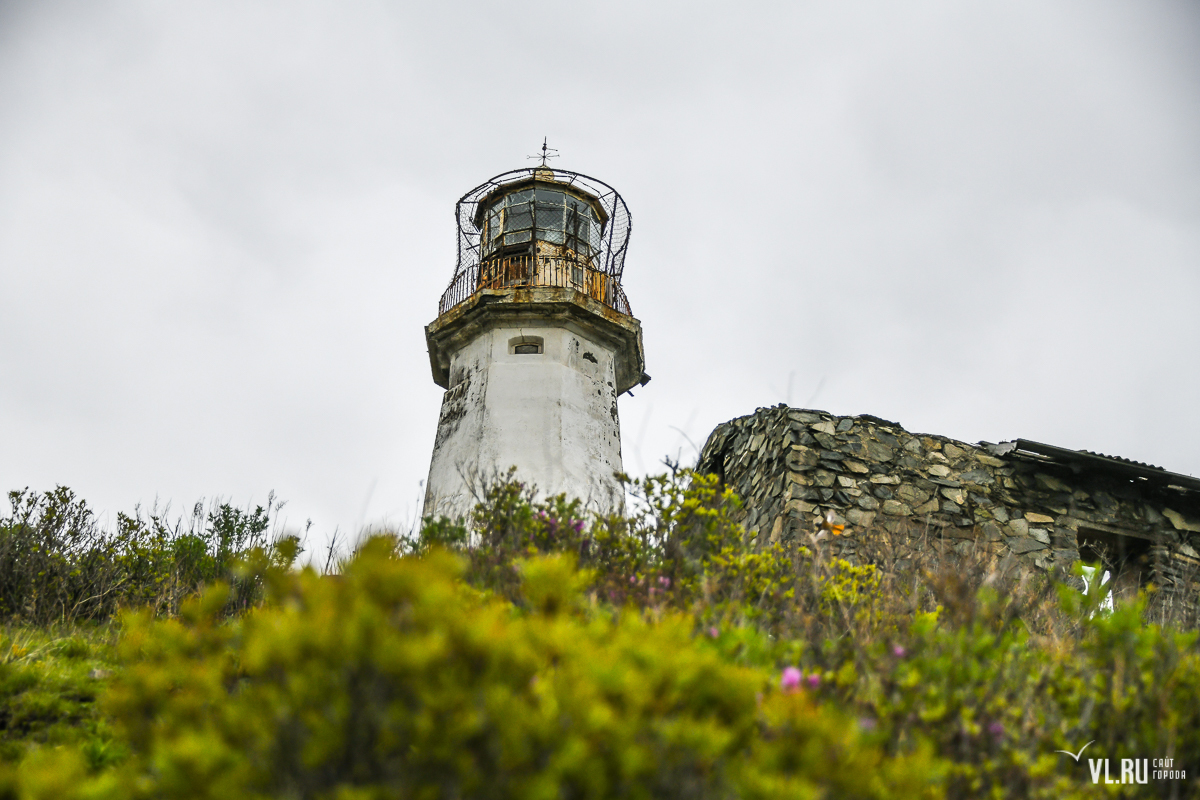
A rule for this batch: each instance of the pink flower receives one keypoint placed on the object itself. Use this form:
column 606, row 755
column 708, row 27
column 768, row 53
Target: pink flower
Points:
column 814, row 680
column 713, row 632
column 996, row 729
column 791, row 678
column 898, row 651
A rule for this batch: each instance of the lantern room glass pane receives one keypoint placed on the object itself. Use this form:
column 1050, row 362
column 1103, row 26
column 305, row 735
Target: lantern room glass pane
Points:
column 550, row 218
column 558, row 218
column 519, row 218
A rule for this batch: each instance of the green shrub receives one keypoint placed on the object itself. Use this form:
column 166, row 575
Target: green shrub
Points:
column 58, row 566
column 675, row 546
column 662, row 652
column 923, row 645
column 397, row 680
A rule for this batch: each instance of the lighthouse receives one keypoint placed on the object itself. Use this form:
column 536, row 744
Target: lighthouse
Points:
column 534, row 342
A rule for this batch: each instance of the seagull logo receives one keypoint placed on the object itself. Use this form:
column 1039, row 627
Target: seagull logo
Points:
column 1076, row 755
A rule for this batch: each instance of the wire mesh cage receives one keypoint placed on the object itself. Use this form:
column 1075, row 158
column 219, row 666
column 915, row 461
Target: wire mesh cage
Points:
column 541, row 227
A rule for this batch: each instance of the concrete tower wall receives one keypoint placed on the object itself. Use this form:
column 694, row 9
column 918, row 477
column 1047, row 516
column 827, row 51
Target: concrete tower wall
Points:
column 552, row 414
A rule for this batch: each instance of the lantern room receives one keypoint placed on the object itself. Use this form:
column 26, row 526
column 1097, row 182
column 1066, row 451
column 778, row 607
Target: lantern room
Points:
column 542, row 212
column 541, row 227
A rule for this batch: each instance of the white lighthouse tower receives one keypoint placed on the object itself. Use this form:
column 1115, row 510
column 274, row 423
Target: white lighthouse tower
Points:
column 534, row 341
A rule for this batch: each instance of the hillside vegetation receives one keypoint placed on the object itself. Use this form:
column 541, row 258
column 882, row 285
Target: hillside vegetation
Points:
column 549, row 654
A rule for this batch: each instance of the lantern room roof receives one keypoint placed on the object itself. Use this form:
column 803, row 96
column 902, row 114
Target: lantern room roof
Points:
column 543, row 177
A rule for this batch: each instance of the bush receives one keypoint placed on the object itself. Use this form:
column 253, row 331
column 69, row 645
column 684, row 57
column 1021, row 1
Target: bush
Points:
column 657, row 653
column 995, row 669
column 58, row 566
column 397, row 680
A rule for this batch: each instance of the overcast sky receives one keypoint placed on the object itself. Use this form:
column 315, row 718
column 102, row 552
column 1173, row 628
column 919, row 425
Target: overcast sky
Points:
column 223, row 226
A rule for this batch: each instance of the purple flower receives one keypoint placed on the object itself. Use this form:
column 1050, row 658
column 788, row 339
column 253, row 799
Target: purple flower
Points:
column 996, row 729
column 577, row 525
column 791, row 678
column 898, row 651
column 713, row 632
column 866, row 723
column 814, row 680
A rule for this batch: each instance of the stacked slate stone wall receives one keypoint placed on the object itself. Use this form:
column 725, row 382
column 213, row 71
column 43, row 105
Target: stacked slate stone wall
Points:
column 792, row 466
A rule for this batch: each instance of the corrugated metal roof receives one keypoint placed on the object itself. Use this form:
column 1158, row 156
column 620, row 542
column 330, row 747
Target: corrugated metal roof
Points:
column 1084, row 459
column 1122, row 460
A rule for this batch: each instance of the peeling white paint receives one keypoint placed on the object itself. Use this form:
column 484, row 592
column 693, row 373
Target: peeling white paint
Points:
column 552, row 415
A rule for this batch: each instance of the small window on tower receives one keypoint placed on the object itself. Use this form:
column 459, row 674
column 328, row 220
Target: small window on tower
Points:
column 525, row 345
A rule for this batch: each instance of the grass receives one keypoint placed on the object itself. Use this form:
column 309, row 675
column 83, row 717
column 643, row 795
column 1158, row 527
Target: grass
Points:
column 50, row 681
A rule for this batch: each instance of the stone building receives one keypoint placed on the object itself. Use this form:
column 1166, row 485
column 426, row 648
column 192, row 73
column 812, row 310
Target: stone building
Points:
column 534, row 341
column 1031, row 504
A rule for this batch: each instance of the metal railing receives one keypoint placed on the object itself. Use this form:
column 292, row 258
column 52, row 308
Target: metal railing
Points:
column 503, row 272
